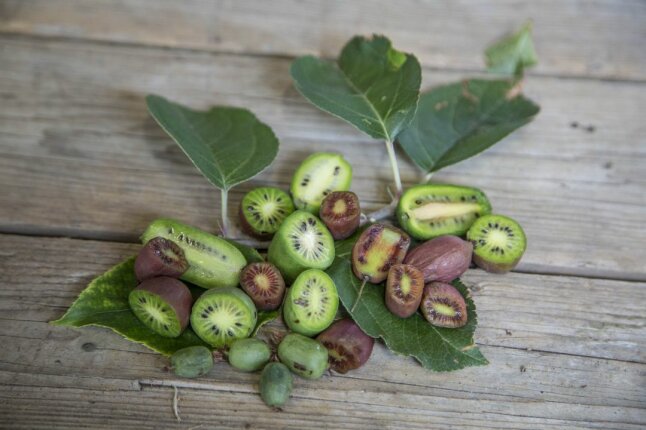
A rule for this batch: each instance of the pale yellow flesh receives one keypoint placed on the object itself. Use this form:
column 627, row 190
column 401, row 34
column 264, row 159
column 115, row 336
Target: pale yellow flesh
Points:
column 444, row 309
column 339, row 207
column 434, row 210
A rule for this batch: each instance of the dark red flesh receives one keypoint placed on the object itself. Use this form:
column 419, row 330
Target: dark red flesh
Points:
column 447, row 295
column 349, row 348
column 267, row 297
column 160, row 257
column 341, row 225
column 400, row 304
column 173, row 292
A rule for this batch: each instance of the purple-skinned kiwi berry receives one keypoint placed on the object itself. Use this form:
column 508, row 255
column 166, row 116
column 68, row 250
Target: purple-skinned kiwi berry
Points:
column 263, row 210
column 160, row 257
column 340, row 212
column 348, row 347
column 264, row 284
column 377, row 249
column 443, row 259
column 443, row 305
column 404, row 290
column 498, row 243
column 162, row 304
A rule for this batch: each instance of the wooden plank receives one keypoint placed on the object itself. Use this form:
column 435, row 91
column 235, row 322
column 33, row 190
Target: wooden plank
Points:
column 81, row 157
column 56, row 377
column 577, row 38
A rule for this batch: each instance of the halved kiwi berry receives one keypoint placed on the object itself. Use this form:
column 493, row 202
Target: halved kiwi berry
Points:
column 264, row 284
column 262, row 210
column 162, row 304
column 213, row 262
column 160, row 257
column 431, row 210
column 443, row 305
column 498, row 243
column 377, row 249
column 222, row 315
column 341, row 213
column 316, row 177
column 311, row 303
column 404, row 290
column 348, row 346
column 302, row 242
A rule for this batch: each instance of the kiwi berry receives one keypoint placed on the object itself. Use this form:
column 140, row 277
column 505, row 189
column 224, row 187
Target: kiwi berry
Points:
column 341, row 214
column 498, row 243
column 348, row 347
column 311, row 303
column 377, row 249
column 305, row 357
column 404, row 289
column 264, row 284
column 441, row 259
column 262, row 210
column 192, row 361
column 222, row 315
column 302, row 242
column 443, row 306
column 213, row 262
column 431, row 210
column 316, row 177
column 276, row 382
column 160, row 257
column 249, row 355
column 162, row 304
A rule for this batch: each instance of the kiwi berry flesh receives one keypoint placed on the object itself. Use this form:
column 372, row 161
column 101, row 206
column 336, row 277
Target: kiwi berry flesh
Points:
column 404, row 289
column 443, row 306
column 444, row 258
column 213, row 262
column 311, row 303
column 316, row 177
column 222, row 315
column 348, row 347
column 262, row 211
column 378, row 248
column 305, row 357
column 431, row 210
column 160, row 257
column 341, row 214
column 192, row 361
column 264, row 284
column 302, row 242
column 498, row 243
column 162, row 304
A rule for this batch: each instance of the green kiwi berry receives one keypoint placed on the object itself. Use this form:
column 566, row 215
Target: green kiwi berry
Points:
column 213, row 262
column 431, row 210
column 316, row 177
column 276, row 382
column 305, row 357
column 262, row 211
column 192, row 361
column 249, row 355
column 222, row 315
column 311, row 303
column 498, row 243
column 302, row 242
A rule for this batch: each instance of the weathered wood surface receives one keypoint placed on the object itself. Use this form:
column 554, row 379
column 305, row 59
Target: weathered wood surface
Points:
column 574, row 38
column 562, row 356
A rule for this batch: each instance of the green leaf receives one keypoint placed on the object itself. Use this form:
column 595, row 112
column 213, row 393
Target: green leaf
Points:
column 249, row 253
column 512, row 54
column 228, row 145
column 436, row 348
column 373, row 87
column 105, row 303
column 457, row 121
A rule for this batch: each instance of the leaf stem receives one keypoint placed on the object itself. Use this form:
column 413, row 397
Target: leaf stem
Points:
column 393, row 164
column 363, row 284
column 224, row 193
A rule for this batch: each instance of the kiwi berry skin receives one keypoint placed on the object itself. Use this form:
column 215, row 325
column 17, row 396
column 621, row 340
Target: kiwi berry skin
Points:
column 341, row 225
column 213, row 262
column 281, row 197
column 311, row 172
column 509, row 256
column 448, row 297
column 192, row 361
column 305, row 357
column 444, row 258
column 249, row 355
column 281, row 252
column 471, row 200
column 153, row 260
column 234, row 294
column 377, row 249
column 172, row 292
column 398, row 301
column 276, row 382
column 295, row 310
column 348, row 346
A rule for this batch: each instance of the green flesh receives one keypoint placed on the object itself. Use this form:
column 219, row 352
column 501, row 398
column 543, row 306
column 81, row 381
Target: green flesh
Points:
column 302, row 242
column 497, row 239
column 428, row 211
column 265, row 209
column 213, row 262
column 155, row 313
column 317, row 176
column 311, row 303
column 223, row 315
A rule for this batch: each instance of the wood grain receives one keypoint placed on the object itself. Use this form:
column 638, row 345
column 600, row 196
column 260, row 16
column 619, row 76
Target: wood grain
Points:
column 57, row 377
column 576, row 38
column 81, row 157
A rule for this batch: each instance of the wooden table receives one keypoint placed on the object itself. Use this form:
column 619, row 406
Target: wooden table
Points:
column 83, row 168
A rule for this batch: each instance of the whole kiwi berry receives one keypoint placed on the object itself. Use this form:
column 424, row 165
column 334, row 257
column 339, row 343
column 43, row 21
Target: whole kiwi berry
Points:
column 249, row 355
column 192, row 361
column 276, row 382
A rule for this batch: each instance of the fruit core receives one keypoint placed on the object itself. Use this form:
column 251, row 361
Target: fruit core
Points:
column 340, row 207
column 405, row 285
column 443, row 309
column 434, row 210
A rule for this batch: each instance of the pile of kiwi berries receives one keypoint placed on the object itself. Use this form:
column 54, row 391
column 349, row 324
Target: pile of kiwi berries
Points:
column 302, row 226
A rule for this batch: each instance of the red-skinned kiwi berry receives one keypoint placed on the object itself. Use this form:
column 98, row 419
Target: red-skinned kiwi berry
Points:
column 163, row 304
column 340, row 212
column 349, row 348
column 404, row 290
column 160, row 257
column 443, row 259
column 443, row 305
column 264, row 284
column 377, row 249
